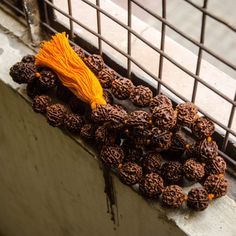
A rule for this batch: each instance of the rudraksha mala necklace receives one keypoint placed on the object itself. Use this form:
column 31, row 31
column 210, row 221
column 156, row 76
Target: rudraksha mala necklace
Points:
column 132, row 142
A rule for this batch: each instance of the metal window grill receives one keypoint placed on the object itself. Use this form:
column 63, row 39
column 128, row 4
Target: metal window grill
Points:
column 50, row 22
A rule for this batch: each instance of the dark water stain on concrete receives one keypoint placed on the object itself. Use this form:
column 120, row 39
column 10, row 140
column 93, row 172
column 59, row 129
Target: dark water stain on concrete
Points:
column 110, row 195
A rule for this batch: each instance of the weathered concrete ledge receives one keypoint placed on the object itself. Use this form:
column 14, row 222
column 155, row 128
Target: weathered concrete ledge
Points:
column 51, row 185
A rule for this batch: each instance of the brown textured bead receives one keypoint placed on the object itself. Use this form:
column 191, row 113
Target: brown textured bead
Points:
column 164, row 117
column 198, row 199
column 112, row 156
column 28, row 59
column 118, row 117
column 141, row 137
column 139, row 118
column 46, row 79
column 151, row 185
column 121, row 88
column 172, row 171
column 88, row 131
column 55, row 114
column 160, row 100
column 33, row 90
column 104, row 135
column 107, row 96
column 141, row 96
column 101, row 113
column 130, row 173
column 106, row 76
column 216, row 185
column 193, row 170
column 216, row 165
column 73, row 122
column 40, row 103
column 79, row 51
column 161, row 139
column 206, row 149
column 152, row 162
column 203, row 128
column 131, row 154
column 63, row 93
column 173, row 196
column 186, row 113
column 95, row 63
column 77, row 106
column 23, row 72
column 178, row 144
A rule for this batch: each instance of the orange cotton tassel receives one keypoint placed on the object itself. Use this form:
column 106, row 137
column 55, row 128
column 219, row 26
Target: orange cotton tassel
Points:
column 58, row 55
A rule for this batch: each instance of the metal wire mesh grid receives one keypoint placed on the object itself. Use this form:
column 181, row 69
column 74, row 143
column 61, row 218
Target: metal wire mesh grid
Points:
column 49, row 19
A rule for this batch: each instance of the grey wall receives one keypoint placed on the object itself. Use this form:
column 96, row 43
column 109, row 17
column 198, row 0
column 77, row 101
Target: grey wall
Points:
column 49, row 185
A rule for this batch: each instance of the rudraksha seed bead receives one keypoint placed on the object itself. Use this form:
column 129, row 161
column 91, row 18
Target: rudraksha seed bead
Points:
column 28, row 59
column 55, row 114
column 33, row 90
column 186, row 114
column 95, row 63
column 40, row 103
column 106, row 76
column 73, row 122
column 63, row 93
column 118, row 117
column 46, row 79
column 141, row 96
column 198, row 199
column 77, row 106
column 112, row 156
column 121, row 88
column 141, row 138
column 216, row 185
column 88, row 131
column 107, row 96
column 172, row 171
column 79, row 51
column 161, row 139
column 131, row 153
column 151, row 185
column 216, row 166
column 203, row 128
column 152, row 162
column 139, row 119
column 160, row 100
column 130, row 173
column 23, row 72
column 164, row 117
column 178, row 144
column 101, row 113
column 104, row 135
column 173, row 196
column 206, row 149
column 193, row 170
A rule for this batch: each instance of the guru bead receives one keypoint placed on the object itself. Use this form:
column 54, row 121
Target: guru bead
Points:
column 151, row 185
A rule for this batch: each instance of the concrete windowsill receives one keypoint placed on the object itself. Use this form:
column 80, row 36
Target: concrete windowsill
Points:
column 48, row 181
